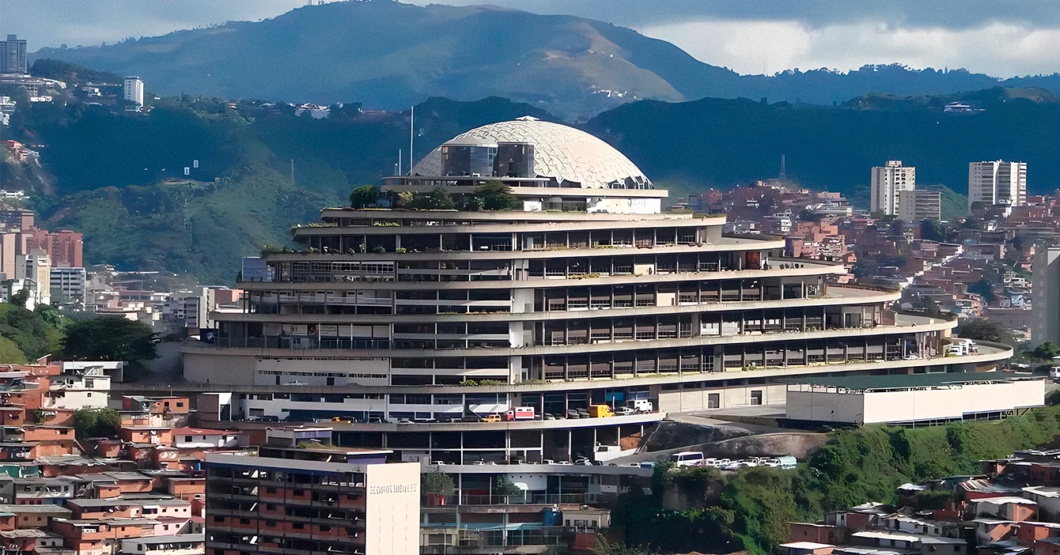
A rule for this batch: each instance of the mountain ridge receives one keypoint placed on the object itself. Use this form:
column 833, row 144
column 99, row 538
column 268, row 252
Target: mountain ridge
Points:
column 390, row 55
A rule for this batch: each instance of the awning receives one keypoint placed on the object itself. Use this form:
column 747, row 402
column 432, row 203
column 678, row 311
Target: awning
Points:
column 489, row 408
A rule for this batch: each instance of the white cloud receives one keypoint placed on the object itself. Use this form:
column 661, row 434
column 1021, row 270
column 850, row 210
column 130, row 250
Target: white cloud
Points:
column 998, row 49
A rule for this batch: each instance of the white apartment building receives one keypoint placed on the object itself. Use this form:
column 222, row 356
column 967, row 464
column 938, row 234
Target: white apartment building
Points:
column 134, row 90
column 68, row 286
column 997, row 182
column 887, row 183
column 32, row 272
column 186, row 306
column 194, row 307
column 12, row 287
column 920, row 204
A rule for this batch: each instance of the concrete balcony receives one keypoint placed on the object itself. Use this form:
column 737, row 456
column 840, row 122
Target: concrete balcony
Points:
column 726, row 244
column 809, row 268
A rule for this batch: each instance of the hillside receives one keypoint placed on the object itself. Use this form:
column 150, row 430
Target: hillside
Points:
column 389, row 55
column 716, row 143
column 119, row 179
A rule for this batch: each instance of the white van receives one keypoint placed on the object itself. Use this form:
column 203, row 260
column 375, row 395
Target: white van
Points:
column 960, row 347
column 1055, row 373
column 640, row 405
column 687, row 458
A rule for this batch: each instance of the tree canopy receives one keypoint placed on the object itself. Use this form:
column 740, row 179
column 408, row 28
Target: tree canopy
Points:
column 110, row 338
column 435, row 482
column 495, row 195
column 933, row 230
column 364, row 196
column 1046, row 351
column 438, row 199
column 32, row 333
column 96, row 422
column 985, row 330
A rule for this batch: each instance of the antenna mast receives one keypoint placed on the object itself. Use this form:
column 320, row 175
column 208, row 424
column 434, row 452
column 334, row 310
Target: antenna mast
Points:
column 412, row 134
column 782, row 172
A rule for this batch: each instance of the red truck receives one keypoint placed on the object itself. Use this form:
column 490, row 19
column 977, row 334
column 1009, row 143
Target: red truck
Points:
column 520, row 413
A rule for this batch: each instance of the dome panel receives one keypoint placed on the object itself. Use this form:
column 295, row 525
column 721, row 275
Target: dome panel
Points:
column 560, row 152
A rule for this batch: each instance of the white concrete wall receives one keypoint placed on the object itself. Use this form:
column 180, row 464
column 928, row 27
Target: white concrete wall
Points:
column 77, row 399
column 314, row 372
column 214, row 368
column 393, row 509
column 686, row 400
column 906, row 406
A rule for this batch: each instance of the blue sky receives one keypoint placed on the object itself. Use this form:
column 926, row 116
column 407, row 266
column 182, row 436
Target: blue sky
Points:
column 998, row 37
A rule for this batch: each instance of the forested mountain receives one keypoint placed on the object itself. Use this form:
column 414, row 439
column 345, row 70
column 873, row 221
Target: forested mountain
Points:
column 119, row 179
column 389, row 55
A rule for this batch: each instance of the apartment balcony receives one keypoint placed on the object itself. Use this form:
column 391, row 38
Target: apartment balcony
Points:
column 726, row 333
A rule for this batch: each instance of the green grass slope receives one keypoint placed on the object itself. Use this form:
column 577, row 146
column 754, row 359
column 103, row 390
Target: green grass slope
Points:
column 114, row 174
column 202, row 229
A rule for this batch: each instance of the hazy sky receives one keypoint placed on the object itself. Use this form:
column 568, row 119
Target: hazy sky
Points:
column 998, row 37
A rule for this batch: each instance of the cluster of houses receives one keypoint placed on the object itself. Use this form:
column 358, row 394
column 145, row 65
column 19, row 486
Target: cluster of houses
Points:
column 1012, row 508
column 979, row 266
column 141, row 492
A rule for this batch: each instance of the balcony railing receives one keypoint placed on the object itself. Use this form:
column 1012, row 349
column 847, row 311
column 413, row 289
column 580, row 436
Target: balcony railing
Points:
column 535, row 499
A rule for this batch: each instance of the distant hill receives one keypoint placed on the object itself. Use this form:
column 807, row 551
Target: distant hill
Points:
column 389, row 55
column 718, row 143
column 119, row 178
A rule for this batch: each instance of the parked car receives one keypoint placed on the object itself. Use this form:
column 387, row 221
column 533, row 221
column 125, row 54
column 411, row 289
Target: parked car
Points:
column 574, row 414
column 624, row 411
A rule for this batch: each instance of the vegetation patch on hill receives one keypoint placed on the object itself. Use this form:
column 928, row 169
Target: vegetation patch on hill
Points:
column 751, row 509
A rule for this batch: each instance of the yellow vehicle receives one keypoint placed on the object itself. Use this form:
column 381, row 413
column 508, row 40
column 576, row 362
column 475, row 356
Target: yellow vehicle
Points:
column 600, row 411
column 341, row 420
column 492, row 418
